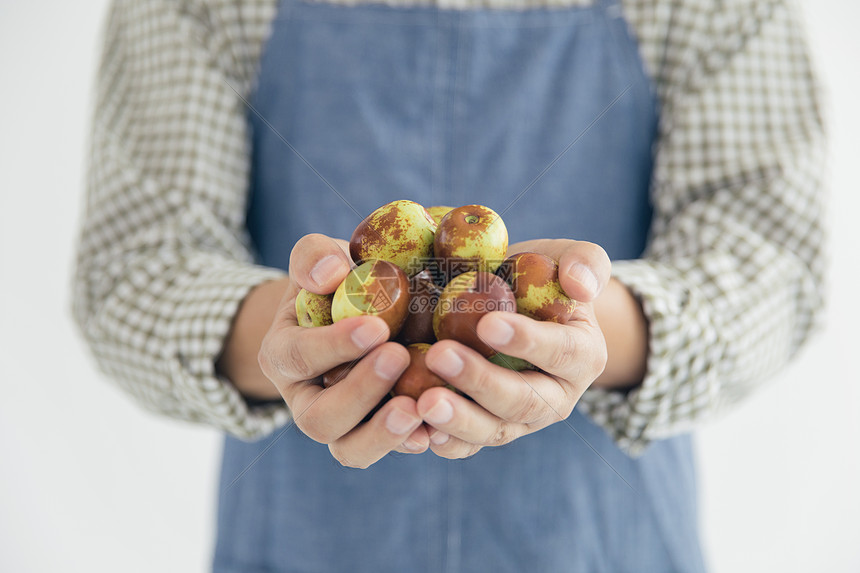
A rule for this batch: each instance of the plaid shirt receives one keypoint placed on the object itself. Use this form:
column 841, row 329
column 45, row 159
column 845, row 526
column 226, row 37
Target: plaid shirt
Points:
column 731, row 281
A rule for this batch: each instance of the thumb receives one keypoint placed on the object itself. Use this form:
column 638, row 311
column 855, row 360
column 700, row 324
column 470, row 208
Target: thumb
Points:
column 583, row 270
column 319, row 263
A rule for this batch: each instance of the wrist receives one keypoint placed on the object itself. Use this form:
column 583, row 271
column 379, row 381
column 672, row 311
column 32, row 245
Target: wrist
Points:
column 625, row 329
column 238, row 359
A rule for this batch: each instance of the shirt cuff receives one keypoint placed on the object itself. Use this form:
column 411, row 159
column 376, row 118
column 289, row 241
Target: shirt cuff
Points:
column 204, row 306
column 678, row 388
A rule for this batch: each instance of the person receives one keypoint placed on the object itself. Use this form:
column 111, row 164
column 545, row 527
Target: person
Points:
column 233, row 142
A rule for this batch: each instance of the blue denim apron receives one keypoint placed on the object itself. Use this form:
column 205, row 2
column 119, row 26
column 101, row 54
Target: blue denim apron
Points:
column 367, row 104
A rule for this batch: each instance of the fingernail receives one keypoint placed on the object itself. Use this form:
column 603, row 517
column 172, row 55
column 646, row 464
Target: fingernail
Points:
column 441, row 413
column 412, row 445
column 389, row 365
column 499, row 332
column 439, row 438
column 583, row 275
column 366, row 336
column 448, row 364
column 326, row 268
column 399, row 422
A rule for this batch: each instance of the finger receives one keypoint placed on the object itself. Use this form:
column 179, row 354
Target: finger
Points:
column 291, row 353
column 450, row 447
column 583, row 268
column 393, row 424
column 327, row 414
column 319, row 263
column 416, row 443
column 526, row 397
column 575, row 352
column 460, row 418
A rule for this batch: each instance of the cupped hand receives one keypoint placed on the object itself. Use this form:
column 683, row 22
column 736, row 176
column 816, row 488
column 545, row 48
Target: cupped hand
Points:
column 294, row 358
column 509, row 404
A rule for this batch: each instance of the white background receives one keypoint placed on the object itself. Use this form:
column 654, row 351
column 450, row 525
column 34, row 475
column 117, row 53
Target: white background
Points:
column 91, row 483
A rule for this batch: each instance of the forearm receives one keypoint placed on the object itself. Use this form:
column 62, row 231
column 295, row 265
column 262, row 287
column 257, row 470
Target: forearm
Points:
column 625, row 329
column 238, row 361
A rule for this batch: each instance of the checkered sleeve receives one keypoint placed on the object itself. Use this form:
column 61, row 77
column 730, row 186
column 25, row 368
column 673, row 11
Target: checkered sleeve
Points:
column 163, row 261
column 731, row 282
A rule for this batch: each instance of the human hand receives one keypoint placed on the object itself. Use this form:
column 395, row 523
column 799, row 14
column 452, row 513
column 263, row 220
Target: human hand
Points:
column 293, row 358
column 508, row 404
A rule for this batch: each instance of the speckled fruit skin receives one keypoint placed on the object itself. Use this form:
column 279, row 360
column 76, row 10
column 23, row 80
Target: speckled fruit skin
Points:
column 401, row 232
column 533, row 278
column 463, row 302
column 417, row 377
column 471, row 238
column 511, row 362
column 336, row 374
column 423, row 297
column 375, row 288
column 438, row 211
column 313, row 309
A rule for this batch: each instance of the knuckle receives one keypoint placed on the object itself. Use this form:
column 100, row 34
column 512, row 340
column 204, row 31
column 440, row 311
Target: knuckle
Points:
column 564, row 407
column 455, row 449
column 525, row 346
column 471, row 451
column 483, row 383
column 348, row 463
column 592, row 364
column 314, row 428
column 563, row 354
column 529, row 409
column 265, row 359
column 292, row 363
column 502, row 435
column 285, row 361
